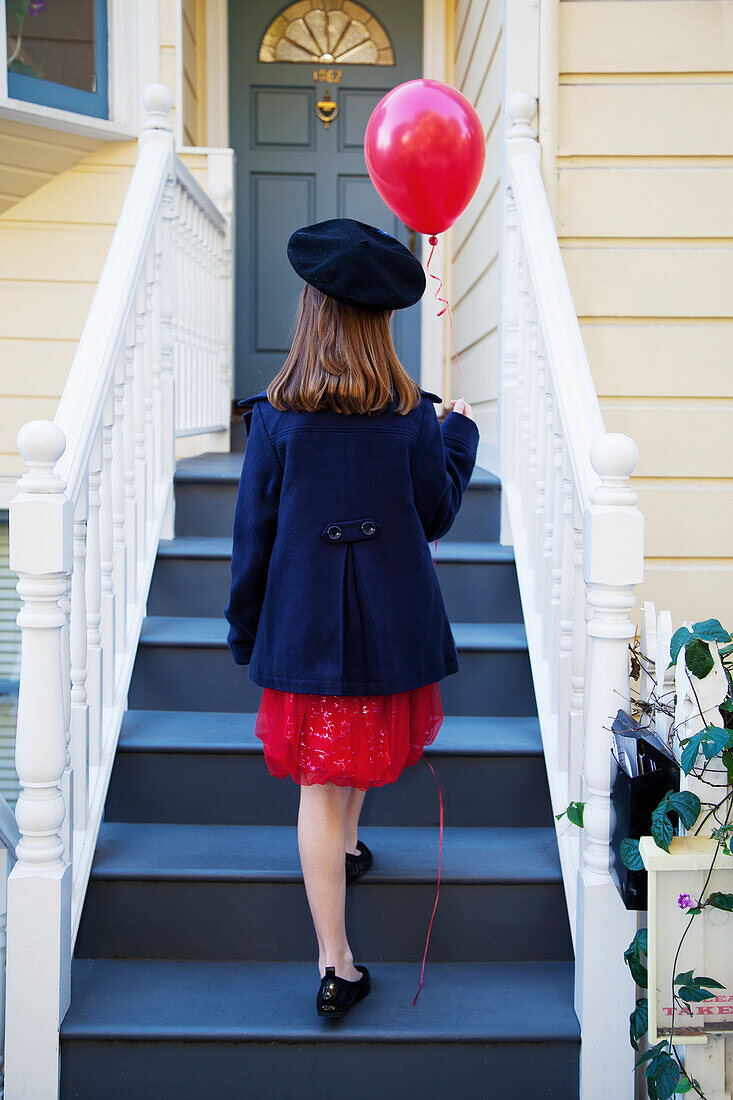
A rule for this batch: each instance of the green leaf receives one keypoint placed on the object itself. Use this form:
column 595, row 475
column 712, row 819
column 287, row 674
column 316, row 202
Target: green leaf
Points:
column 711, row 982
column 690, row 751
column 639, row 1022
column 630, row 855
column 685, row 1085
column 698, row 658
column 686, row 805
column 662, row 830
column 716, row 739
column 679, row 638
column 574, row 812
column 664, row 1072
column 712, row 629
column 651, row 1053
column 720, row 901
column 632, row 955
column 694, row 993
column 683, row 979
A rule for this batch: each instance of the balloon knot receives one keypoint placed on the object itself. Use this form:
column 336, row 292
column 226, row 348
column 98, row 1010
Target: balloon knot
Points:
column 433, row 240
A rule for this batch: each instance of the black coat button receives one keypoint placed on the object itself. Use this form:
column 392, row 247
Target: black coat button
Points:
column 334, row 531
column 368, row 527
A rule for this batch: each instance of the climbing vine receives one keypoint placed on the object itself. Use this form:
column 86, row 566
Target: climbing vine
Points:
column 707, row 647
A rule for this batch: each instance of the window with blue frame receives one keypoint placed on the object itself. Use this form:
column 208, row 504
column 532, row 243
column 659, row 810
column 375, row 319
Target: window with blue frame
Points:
column 57, row 54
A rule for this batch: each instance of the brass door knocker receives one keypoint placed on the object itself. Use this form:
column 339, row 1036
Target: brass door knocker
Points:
column 326, row 109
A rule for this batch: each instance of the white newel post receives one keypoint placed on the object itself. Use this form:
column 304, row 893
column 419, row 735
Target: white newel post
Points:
column 613, row 560
column 39, row 887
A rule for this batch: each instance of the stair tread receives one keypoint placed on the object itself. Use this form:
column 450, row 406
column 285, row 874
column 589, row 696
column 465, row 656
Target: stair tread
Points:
column 231, row 732
column 269, row 853
column 204, row 631
column 188, row 1000
column 223, row 466
column 217, row 548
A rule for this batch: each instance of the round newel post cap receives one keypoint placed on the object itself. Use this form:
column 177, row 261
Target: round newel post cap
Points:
column 41, row 443
column 614, row 456
column 158, row 103
column 521, row 108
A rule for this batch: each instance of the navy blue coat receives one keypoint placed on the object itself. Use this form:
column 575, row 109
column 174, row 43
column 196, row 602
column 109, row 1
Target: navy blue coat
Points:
column 333, row 586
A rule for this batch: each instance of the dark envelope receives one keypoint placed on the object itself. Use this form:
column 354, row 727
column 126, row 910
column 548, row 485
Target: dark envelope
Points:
column 645, row 770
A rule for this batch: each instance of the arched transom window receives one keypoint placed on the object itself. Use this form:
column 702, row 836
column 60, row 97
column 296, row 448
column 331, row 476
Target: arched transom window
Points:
column 327, row 32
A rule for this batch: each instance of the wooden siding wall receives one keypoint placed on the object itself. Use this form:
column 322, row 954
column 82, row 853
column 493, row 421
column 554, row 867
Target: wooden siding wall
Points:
column 52, row 249
column 194, row 72
column 645, row 219
column 474, row 239
column 30, row 157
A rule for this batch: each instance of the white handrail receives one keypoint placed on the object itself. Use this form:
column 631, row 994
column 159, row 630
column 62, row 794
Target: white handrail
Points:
column 578, row 546
column 153, row 362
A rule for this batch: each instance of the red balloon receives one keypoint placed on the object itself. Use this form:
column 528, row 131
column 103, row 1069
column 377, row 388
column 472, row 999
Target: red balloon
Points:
column 424, row 148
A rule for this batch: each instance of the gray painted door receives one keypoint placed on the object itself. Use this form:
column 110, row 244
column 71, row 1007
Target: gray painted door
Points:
column 292, row 171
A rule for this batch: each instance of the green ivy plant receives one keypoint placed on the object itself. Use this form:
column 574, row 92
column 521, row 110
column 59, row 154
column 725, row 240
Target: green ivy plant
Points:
column 665, row 1076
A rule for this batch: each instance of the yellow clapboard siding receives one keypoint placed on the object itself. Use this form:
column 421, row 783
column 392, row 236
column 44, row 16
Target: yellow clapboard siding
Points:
column 490, row 32
column 651, row 282
column 683, row 119
column 51, row 311
column 689, row 590
column 466, row 37
column 705, row 505
column 619, row 201
column 36, row 368
column 671, row 358
column 480, row 371
column 14, row 412
column 477, row 314
column 680, row 438
column 19, row 182
column 116, row 153
column 76, row 197
column 663, row 36
column 479, row 251
column 29, row 251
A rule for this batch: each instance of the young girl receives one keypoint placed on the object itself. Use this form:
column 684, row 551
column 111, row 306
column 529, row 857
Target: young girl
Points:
column 335, row 603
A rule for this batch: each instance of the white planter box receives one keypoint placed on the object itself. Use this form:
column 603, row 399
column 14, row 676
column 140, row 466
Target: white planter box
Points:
column 708, row 946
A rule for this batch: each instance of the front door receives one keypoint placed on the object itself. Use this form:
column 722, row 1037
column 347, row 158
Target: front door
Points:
column 297, row 128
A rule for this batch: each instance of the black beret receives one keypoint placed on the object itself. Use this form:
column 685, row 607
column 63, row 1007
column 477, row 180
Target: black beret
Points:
column 357, row 263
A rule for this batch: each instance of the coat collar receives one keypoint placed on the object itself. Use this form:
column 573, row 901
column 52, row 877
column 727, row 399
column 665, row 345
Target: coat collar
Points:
column 262, row 396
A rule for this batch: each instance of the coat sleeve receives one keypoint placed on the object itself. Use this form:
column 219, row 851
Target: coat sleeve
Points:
column 445, row 455
column 255, row 525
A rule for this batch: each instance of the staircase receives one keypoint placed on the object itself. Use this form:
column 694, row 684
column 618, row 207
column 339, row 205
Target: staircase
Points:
column 194, row 971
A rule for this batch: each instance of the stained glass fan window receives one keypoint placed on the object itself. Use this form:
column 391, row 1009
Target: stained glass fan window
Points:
column 332, row 32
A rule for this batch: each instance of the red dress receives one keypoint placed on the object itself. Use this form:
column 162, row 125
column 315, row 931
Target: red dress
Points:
column 349, row 740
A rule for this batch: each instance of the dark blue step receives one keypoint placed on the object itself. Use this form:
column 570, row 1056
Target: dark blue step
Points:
column 184, row 663
column 187, row 1029
column 236, row 892
column 206, row 492
column 479, row 582
column 199, row 767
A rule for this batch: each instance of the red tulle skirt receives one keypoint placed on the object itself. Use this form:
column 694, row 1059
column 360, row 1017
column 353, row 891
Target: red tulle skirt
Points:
column 351, row 740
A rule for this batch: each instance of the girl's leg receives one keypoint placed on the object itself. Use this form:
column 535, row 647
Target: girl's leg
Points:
column 354, row 803
column 322, row 843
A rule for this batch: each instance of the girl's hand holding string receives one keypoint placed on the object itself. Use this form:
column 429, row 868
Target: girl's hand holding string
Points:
column 461, row 406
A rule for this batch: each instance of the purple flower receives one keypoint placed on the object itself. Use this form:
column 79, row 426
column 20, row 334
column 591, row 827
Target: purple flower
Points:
column 35, row 7
column 685, row 901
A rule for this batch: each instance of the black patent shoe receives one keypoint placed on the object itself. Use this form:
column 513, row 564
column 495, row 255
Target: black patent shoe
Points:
column 357, row 865
column 337, row 995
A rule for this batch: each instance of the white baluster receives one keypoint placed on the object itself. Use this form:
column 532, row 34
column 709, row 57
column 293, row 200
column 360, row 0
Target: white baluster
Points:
column 138, row 385
column 150, row 464
column 95, row 657
column 67, row 779
column 79, row 723
column 222, row 196
column 612, row 566
column 38, row 980
column 510, row 343
column 131, row 506
column 167, row 376
column 565, row 645
column 108, row 599
column 119, row 536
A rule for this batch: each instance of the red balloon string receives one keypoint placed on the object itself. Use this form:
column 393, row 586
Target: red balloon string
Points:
column 433, row 242
column 437, row 892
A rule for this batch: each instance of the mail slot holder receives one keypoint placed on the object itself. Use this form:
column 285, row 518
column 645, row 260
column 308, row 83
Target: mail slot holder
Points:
column 350, row 530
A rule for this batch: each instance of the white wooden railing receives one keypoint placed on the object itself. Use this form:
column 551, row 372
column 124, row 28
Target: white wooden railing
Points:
column 578, row 542
column 154, row 362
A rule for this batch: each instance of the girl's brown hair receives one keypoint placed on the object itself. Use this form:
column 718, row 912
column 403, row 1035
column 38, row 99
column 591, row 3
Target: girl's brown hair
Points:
column 342, row 358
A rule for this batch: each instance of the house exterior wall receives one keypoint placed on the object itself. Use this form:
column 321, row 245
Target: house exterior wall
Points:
column 645, row 220
column 473, row 246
